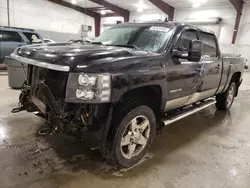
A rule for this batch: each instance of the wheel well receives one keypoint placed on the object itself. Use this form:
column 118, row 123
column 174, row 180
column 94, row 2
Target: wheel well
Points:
column 147, row 95
column 236, row 78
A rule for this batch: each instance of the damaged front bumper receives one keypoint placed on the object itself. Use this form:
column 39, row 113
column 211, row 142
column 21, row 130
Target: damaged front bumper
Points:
column 91, row 121
column 50, row 92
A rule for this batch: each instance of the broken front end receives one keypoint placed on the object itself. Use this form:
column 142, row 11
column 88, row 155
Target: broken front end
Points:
column 70, row 102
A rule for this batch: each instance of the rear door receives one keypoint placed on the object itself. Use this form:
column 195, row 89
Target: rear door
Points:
column 212, row 64
column 9, row 41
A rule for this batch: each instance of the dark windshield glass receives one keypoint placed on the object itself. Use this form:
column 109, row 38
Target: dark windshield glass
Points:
column 32, row 37
column 150, row 39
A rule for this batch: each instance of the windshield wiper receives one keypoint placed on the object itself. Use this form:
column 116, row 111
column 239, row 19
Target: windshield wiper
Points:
column 126, row 46
column 100, row 43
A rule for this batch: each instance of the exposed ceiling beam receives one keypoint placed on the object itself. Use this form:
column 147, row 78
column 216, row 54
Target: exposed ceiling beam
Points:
column 97, row 8
column 110, row 15
column 118, row 10
column 77, row 8
column 90, row 13
column 238, row 5
column 164, row 7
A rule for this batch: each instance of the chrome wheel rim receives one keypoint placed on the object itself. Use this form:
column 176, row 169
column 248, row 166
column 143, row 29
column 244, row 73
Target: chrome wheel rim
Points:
column 230, row 96
column 135, row 137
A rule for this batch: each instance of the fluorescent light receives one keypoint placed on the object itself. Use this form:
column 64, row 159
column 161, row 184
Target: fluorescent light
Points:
column 139, row 9
column 73, row 2
column 141, row 5
column 196, row 5
column 103, row 12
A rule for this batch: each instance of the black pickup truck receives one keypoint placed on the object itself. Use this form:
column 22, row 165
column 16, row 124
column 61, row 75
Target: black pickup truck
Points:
column 132, row 80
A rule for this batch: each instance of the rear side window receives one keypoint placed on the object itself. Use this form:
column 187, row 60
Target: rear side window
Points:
column 209, row 44
column 32, row 37
column 10, row 36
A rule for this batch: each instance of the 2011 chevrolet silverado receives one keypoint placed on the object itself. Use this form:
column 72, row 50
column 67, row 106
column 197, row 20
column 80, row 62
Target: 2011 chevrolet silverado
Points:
column 130, row 81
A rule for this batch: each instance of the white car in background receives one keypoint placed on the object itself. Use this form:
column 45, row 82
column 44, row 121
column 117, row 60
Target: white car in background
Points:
column 48, row 40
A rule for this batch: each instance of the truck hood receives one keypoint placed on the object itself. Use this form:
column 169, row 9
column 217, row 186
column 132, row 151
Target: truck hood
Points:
column 79, row 56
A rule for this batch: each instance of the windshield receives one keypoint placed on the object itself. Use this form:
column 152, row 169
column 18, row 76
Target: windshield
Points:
column 32, row 37
column 149, row 38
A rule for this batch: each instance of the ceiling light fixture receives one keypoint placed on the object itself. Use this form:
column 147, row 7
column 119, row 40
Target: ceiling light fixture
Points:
column 103, row 12
column 73, row 2
column 140, row 6
column 139, row 9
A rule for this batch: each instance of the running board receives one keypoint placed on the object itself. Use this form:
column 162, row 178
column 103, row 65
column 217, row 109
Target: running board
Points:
column 189, row 111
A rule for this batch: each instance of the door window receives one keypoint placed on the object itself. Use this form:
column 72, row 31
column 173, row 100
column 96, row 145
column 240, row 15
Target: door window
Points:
column 10, row 36
column 209, row 44
column 32, row 37
column 184, row 43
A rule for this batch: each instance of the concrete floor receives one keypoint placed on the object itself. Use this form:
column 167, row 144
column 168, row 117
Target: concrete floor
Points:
column 208, row 149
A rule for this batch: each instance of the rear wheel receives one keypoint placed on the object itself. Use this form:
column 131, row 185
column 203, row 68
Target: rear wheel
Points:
column 132, row 133
column 225, row 100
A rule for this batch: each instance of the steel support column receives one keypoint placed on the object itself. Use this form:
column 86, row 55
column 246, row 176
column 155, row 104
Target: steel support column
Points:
column 238, row 5
column 8, row 11
column 97, row 26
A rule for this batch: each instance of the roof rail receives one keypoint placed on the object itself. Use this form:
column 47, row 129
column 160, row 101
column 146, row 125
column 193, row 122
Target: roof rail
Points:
column 17, row 28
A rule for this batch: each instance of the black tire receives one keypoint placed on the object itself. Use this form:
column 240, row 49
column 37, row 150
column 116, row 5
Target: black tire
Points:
column 112, row 149
column 222, row 100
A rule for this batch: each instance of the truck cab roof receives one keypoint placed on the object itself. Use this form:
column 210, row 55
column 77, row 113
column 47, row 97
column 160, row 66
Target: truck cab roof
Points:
column 165, row 24
column 7, row 28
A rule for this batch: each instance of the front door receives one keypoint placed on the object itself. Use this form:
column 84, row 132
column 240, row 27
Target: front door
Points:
column 183, row 76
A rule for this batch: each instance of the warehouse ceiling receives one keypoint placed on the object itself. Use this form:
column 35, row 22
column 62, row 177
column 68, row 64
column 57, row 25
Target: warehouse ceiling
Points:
column 141, row 5
column 178, row 4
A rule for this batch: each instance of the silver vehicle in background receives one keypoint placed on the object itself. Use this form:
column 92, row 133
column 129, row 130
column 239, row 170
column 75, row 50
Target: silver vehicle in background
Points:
column 13, row 37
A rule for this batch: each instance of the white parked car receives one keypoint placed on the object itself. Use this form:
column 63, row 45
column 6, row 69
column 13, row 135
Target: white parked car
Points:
column 48, row 40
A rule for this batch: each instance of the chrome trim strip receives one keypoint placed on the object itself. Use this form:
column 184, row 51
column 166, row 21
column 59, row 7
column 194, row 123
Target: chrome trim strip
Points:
column 169, row 121
column 40, row 63
column 189, row 99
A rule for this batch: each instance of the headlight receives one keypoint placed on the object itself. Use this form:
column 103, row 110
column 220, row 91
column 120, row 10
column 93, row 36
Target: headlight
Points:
column 85, row 80
column 88, row 88
column 85, row 94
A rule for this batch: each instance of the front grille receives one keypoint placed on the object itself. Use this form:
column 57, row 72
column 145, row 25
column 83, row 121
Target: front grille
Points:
column 55, row 80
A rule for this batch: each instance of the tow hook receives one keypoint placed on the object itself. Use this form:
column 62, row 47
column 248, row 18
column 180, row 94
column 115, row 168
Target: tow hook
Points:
column 44, row 131
column 16, row 110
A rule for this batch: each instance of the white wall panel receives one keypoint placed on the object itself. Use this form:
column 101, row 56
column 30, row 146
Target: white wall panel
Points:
column 46, row 16
column 224, row 30
column 107, row 22
column 152, row 15
column 244, row 29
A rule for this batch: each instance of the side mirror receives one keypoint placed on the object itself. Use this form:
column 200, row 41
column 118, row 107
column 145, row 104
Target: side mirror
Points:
column 177, row 54
column 195, row 51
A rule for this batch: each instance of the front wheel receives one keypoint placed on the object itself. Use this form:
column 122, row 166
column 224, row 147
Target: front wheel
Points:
column 133, row 131
column 225, row 100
